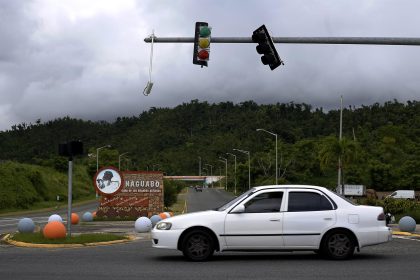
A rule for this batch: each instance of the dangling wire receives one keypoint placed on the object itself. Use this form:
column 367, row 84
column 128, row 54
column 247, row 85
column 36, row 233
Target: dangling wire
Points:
column 149, row 85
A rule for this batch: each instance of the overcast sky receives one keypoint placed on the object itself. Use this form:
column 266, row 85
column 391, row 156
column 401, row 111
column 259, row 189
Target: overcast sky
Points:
column 87, row 59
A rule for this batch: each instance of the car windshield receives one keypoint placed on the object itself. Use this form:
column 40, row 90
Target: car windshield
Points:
column 236, row 199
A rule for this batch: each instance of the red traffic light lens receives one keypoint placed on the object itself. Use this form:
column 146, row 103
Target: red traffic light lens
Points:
column 203, row 54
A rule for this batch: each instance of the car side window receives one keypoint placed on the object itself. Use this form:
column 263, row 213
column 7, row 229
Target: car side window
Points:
column 308, row 201
column 264, row 203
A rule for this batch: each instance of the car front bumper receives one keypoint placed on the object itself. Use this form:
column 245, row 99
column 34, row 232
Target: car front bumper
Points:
column 166, row 239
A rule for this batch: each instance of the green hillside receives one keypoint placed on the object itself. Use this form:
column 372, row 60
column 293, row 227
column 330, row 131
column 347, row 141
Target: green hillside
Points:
column 26, row 186
column 380, row 146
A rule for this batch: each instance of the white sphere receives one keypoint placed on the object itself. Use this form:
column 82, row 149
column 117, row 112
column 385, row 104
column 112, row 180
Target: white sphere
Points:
column 143, row 224
column 168, row 215
column 407, row 224
column 55, row 218
column 26, row 225
column 87, row 217
column 155, row 219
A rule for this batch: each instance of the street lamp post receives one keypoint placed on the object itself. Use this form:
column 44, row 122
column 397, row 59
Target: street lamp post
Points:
column 97, row 160
column 211, row 173
column 199, row 166
column 235, row 169
column 274, row 134
column 119, row 160
column 249, row 165
column 97, row 155
column 222, row 159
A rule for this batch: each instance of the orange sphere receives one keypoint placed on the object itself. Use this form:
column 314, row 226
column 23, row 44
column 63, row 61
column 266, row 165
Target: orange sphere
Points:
column 163, row 216
column 94, row 214
column 74, row 219
column 54, row 230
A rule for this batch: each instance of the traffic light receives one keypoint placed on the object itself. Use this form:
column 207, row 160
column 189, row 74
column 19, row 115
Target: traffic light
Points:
column 202, row 43
column 266, row 48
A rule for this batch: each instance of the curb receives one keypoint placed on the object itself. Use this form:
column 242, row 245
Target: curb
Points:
column 405, row 233
column 7, row 239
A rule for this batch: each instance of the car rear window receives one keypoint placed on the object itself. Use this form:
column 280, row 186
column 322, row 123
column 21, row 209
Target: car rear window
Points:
column 308, row 201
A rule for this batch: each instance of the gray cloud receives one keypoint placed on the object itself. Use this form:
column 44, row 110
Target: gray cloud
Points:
column 88, row 60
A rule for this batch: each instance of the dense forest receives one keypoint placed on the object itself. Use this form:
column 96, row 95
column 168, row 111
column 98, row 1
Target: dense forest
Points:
column 380, row 147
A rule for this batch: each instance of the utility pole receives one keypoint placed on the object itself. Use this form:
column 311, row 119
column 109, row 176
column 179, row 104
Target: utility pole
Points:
column 235, row 170
column 339, row 183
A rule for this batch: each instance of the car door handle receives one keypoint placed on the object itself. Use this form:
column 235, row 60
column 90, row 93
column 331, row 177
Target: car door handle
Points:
column 274, row 220
column 328, row 219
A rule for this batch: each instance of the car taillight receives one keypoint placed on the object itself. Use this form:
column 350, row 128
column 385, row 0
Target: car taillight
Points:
column 381, row 217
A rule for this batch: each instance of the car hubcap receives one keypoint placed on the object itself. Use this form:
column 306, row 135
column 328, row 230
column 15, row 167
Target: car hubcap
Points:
column 198, row 245
column 339, row 245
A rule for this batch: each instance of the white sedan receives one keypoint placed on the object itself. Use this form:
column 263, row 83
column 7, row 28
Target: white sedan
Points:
column 285, row 217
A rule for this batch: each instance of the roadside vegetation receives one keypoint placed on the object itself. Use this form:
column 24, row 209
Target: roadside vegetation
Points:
column 380, row 148
column 29, row 186
column 397, row 207
column 38, row 238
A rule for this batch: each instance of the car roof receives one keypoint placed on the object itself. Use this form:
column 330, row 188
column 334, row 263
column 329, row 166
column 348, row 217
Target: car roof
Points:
column 290, row 186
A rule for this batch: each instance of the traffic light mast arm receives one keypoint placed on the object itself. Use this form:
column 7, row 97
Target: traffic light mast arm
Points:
column 407, row 41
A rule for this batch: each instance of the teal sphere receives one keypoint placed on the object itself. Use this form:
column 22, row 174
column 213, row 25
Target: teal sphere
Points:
column 26, row 225
column 407, row 224
column 155, row 219
column 87, row 217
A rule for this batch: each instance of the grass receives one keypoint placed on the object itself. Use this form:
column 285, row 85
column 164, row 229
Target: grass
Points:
column 38, row 238
column 178, row 207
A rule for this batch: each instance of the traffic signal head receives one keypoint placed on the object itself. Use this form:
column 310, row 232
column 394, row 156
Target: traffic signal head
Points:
column 266, row 48
column 202, row 40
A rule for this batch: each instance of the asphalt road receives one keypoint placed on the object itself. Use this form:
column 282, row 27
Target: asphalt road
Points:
column 398, row 259
column 207, row 199
column 8, row 223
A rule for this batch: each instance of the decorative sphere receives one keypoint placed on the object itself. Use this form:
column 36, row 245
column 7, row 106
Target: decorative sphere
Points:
column 55, row 217
column 143, row 224
column 54, row 230
column 74, row 219
column 155, row 219
column 163, row 216
column 167, row 214
column 94, row 214
column 87, row 217
column 26, row 225
column 407, row 224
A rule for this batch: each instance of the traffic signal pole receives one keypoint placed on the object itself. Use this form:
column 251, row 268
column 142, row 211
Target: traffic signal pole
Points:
column 406, row 41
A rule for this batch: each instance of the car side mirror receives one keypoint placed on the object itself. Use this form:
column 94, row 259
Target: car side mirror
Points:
column 238, row 209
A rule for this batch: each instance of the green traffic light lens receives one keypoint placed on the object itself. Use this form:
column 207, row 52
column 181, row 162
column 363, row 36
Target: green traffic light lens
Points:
column 205, row 31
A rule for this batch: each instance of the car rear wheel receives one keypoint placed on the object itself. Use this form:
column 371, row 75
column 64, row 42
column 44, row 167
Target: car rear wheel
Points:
column 198, row 246
column 338, row 245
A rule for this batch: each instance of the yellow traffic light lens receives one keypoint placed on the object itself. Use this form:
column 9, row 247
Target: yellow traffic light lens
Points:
column 204, row 43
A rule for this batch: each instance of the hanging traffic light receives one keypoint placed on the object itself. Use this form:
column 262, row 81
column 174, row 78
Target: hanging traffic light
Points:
column 266, row 48
column 202, row 43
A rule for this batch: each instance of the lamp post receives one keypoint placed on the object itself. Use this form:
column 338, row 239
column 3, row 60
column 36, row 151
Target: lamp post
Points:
column 211, row 173
column 235, row 169
column 97, row 155
column 249, row 165
column 199, row 166
column 222, row 159
column 119, row 160
column 97, row 160
column 274, row 134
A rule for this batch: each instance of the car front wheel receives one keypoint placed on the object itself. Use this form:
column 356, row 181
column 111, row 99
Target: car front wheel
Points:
column 338, row 245
column 198, row 246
